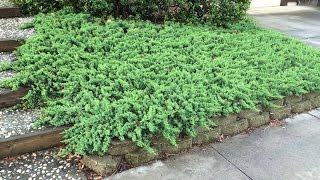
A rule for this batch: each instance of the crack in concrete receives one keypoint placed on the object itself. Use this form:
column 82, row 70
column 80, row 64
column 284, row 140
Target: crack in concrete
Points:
column 232, row 163
column 317, row 117
column 313, row 115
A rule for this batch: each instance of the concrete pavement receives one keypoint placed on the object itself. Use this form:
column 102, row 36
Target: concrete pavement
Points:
column 199, row 163
column 291, row 151
column 288, row 151
column 297, row 21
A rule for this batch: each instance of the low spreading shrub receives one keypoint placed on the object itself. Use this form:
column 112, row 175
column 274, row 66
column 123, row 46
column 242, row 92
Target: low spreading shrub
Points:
column 135, row 80
column 215, row 12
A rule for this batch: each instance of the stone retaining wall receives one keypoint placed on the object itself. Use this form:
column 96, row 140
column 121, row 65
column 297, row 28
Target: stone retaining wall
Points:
column 127, row 151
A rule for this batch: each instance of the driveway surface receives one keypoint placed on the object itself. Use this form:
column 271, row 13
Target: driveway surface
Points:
column 297, row 21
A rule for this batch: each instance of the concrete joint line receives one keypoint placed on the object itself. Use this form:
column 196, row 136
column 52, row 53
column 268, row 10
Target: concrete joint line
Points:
column 313, row 115
column 232, row 163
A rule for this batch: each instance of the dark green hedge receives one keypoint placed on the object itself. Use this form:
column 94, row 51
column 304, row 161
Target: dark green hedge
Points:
column 38, row 6
column 216, row 12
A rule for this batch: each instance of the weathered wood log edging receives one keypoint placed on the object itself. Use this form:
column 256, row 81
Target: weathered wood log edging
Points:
column 9, row 98
column 22, row 144
column 9, row 12
column 127, row 151
column 9, row 45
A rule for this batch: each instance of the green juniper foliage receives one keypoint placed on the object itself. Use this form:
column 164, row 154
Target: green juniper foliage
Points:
column 134, row 80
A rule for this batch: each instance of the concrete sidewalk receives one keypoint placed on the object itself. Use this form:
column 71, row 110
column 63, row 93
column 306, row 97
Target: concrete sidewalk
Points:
column 288, row 151
column 301, row 22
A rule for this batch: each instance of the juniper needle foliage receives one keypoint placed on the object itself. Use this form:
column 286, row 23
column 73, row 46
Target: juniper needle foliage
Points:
column 134, row 80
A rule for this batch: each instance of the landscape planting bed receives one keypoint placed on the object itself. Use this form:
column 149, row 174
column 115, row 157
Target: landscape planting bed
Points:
column 133, row 89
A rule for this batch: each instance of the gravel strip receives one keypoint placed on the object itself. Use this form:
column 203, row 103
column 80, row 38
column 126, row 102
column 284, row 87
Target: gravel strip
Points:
column 41, row 165
column 6, row 3
column 17, row 122
column 9, row 28
column 6, row 75
column 2, row 90
column 6, row 57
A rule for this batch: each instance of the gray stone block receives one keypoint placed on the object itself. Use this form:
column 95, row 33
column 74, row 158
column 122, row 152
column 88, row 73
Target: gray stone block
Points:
column 315, row 102
column 259, row 120
column 182, row 144
column 207, row 136
column 280, row 113
column 246, row 114
column 293, row 99
column 122, row 147
column 102, row 165
column 141, row 156
column 163, row 145
column 235, row 128
column 311, row 95
column 222, row 121
column 278, row 102
column 301, row 107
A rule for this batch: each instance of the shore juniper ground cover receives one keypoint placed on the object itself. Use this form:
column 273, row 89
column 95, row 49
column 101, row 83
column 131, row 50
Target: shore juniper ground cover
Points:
column 132, row 79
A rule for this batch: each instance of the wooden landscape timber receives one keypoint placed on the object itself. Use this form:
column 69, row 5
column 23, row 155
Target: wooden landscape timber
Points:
column 8, row 12
column 27, row 143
